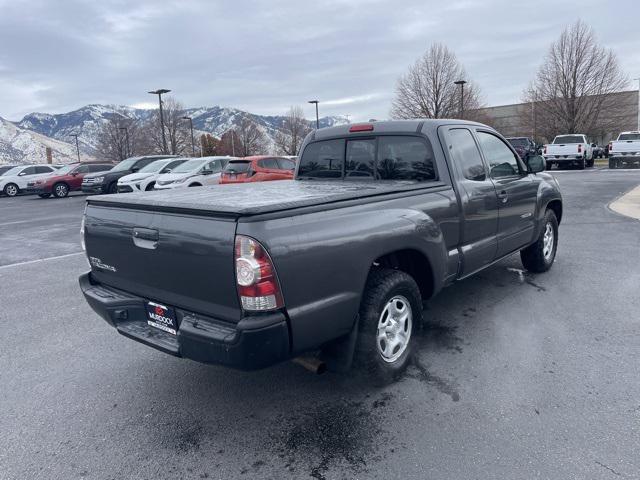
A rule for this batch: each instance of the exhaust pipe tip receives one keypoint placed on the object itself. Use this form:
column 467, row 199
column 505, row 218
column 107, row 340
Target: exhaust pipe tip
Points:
column 313, row 364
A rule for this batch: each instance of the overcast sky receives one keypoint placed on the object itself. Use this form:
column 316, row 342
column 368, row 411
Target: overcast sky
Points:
column 263, row 56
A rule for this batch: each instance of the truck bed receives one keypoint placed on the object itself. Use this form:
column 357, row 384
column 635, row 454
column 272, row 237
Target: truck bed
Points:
column 256, row 198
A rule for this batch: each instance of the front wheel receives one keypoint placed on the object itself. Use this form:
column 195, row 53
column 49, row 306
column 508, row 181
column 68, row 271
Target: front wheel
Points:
column 390, row 311
column 113, row 188
column 539, row 256
column 11, row 190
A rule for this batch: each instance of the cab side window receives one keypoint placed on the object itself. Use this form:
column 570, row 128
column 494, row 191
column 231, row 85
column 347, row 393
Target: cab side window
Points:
column 30, row 171
column 214, row 166
column 270, row 163
column 502, row 161
column 286, row 164
column 466, row 155
column 82, row 169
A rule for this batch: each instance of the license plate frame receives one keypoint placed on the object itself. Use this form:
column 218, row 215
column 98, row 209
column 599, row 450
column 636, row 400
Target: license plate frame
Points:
column 162, row 317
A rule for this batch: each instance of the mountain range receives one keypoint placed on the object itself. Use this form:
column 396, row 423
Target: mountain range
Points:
column 25, row 141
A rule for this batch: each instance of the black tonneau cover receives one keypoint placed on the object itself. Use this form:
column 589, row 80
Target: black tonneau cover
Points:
column 257, row 198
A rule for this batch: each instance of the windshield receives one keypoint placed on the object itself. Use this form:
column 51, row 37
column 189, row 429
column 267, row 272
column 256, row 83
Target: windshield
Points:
column 189, row 166
column 569, row 139
column 13, row 171
column 155, row 166
column 64, row 170
column 629, row 136
column 518, row 142
column 125, row 165
column 237, row 167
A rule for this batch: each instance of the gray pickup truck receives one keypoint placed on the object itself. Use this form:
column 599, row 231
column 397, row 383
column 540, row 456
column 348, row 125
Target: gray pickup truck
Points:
column 380, row 217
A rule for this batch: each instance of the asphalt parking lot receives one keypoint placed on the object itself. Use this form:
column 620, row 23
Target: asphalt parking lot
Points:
column 518, row 376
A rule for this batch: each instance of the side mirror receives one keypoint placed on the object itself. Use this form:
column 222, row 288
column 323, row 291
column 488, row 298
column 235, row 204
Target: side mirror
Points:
column 74, row 174
column 135, row 169
column 22, row 174
column 594, row 145
column 536, row 163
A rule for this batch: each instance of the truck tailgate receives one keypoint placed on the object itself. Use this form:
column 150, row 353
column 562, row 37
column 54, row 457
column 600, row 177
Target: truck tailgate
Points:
column 182, row 260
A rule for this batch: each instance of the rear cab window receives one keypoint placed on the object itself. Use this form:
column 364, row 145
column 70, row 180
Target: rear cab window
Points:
column 381, row 157
column 629, row 136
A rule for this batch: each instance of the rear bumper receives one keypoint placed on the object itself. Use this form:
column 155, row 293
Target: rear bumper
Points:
column 563, row 158
column 624, row 157
column 253, row 343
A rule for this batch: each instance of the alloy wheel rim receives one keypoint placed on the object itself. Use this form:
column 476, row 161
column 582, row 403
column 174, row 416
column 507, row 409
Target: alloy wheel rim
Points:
column 11, row 190
column 60, row 189
column 394, row 329
column 547, row 242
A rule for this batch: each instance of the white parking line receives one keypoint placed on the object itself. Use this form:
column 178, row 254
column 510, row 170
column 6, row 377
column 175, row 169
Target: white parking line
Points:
column 40, row 260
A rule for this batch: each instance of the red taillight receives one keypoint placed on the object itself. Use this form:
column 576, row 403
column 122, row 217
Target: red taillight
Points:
column 256, row 278
column 545, row 150
column 361, row 128
column 579, row 148
column 610, row 146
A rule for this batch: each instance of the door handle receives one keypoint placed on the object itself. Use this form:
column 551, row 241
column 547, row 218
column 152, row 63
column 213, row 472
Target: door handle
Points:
column 504, row 196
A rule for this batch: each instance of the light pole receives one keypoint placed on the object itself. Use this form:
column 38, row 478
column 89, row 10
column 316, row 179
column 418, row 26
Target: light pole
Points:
column 317, row 117
column 233, row 142
column 193, row 145
column 159, row 92
column 77, row 144
column 638, row 79
column 461, row 83
column 126, row 133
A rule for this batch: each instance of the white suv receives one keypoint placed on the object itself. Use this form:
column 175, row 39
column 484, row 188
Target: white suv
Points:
column 145, row 178
column 193, row 173
column 15, row 180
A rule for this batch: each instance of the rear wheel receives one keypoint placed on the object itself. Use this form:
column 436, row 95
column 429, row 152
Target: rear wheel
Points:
column 390, row 310
column 11, row 190
column 581, row 164
column 613, row 163
column 539, row 256
column 60, row 190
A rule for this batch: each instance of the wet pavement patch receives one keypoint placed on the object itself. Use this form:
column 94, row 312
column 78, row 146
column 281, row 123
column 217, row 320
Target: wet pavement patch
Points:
column 343, row 434
column 436, row 336
column 420, row 372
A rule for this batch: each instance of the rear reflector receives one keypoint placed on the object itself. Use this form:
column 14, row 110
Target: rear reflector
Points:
column 361, row 128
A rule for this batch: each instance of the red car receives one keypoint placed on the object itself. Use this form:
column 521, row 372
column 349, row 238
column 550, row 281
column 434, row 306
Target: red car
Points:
column 261, row 168
column 66, row 179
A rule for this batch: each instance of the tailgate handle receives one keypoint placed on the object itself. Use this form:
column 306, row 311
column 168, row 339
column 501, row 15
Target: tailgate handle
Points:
column 145, row 238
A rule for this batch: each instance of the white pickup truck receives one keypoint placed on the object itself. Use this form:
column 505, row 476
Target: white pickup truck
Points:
column 573, row 149
column 625, row 151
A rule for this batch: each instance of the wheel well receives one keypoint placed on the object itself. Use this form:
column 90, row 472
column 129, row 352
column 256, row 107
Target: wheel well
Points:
column 413, row 263
column 60, row 183
column 556, row 206
column 195, row 185
column 150, row 186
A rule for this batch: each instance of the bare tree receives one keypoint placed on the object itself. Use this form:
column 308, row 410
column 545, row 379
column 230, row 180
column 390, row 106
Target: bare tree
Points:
column 253, row 141
column 177, row 133
column 229, row 144
column 119, row 137
column 209, row 145
column 427, row 89
column 572, row 88
column 294, row 129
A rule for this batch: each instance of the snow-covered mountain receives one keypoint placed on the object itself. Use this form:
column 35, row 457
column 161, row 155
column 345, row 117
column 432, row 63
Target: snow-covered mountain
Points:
column 87, row 121
column 19, row 145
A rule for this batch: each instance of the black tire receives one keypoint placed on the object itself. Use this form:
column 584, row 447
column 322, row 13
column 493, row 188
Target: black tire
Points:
column 11, row 190
column 612, row 163
column 195, row 185
column 60, row 190
column 533, row 257
column 383, row 285
column 581, row 164
column 113, row 188
column 150, row 187
column 44, row 195
column 590, row 163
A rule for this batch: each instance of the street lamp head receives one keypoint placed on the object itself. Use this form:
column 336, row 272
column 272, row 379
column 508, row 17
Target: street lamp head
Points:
column 460, row 82
column 160, row 91
column 313, row 101
column 186, row 118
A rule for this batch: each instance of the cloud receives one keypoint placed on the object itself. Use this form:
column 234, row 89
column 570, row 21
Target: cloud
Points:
column 263, row 57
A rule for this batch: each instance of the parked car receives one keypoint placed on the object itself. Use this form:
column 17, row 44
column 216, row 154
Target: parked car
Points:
column 524, row 146
column 260, row 168
column 6, row 168
column 195, row 172
column 107, row 182
column 145, row 179
column 14, row 181
column 66, row 179
column 573, row 149
column 625, row 151
column 253, row 274
column 598, row 151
